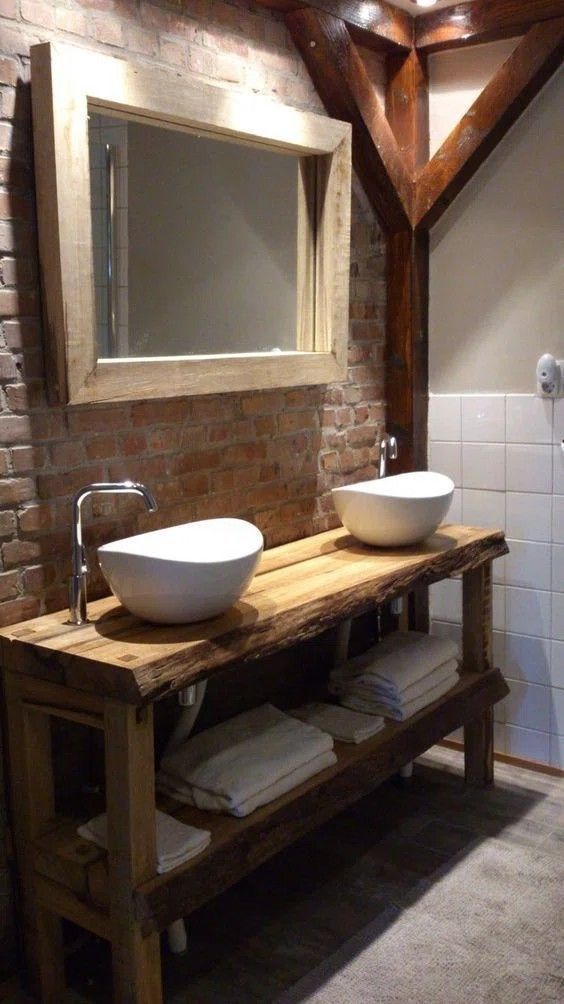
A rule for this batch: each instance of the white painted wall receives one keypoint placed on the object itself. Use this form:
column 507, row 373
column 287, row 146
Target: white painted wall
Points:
column 496, row 298
column 497, row 264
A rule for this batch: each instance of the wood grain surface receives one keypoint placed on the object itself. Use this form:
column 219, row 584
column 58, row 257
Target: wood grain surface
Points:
column 300, row 589
column 239, row 845
column 481, row 21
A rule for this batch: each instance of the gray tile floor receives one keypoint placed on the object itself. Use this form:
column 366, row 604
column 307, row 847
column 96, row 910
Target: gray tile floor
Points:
column 262, row 936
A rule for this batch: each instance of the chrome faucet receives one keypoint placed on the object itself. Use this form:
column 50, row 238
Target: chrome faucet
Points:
column 388, row 451
column 77, row 581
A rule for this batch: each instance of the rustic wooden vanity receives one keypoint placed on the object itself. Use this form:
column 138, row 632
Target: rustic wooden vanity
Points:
column 108, row 673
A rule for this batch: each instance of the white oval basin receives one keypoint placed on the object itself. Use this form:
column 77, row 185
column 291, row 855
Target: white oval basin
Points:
column 395, row 511
column 183, row 573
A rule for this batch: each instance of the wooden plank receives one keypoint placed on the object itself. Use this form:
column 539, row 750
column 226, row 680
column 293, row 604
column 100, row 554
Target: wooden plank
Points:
column 309, row 587
column 407, row 107
column 374, row 22
column 481, row 21
column 239, row 845
column 132, row 855
column 344, row 86
column 64, row 903
column 407, row 267
column 501, row 102
column 477, row 658
column 31, row 807
column 80, row 717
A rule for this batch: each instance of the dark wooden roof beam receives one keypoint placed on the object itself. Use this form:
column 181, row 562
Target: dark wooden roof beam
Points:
column 481, row 21
column 373, row 23
column 495, row 110
column 344, row 86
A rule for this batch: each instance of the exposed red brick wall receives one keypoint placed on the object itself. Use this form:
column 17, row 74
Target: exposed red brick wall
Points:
column 271, row 457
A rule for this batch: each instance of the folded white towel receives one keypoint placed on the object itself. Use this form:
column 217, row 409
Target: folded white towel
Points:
column 371, row 688
column 399, row 713
column 238, row 759
column 401, row 659
column 176, row 842
column 191, row 795
column 341, row 723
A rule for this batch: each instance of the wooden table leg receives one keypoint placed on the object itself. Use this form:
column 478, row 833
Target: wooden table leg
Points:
column 477, row 658
column 130, row 804
column 32, row 806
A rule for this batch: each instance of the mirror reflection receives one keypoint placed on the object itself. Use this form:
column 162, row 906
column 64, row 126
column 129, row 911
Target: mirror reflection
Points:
column 194, row 241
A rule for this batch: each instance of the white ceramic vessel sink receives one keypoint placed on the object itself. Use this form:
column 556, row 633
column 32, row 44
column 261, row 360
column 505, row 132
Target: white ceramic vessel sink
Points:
column 395, row 511
column 183, row 573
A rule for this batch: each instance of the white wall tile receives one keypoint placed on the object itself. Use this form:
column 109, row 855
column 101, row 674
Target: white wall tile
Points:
column 558, row 421
column 528, row 564
column 499, row 738
column 483, row 508
column 446, row 458
column 529, row 419
column 504, row 456
column 557, row 711
column 527, row 744
column 444, row 418
column 558, row 519
column 498, row 570
column 528, row 611
column 498, row 649
column 528, row 516
column 558, row 567
column 557, row 751
column 558, row 616
column 498, row 608
column 528, row 705
column 483, row 418
column 454, row 515
column 445, row 629
column 528, row 659
column 483, row 466
column 558, row 470
column 557, row 663
column 528, row 468
column 446, row 600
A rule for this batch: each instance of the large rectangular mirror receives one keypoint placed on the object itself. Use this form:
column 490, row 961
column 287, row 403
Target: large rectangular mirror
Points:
column 192, row 240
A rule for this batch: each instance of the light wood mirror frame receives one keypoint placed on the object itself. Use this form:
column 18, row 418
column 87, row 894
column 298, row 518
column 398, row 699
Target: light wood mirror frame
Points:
column 67, row 82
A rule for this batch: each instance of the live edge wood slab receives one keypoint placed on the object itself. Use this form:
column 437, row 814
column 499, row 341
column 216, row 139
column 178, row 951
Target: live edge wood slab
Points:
column 107, row 675
column 299, row 590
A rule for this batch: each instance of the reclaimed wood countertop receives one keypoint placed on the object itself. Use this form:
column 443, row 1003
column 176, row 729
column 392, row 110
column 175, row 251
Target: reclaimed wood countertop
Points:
column 300, row 589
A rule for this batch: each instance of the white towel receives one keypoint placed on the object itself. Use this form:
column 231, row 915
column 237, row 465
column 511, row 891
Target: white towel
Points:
column 176, row 842
column 236, row 761
column 371, row 688
column 401, row 659
column 216, row 803
column 399, row 713
column 341, row 723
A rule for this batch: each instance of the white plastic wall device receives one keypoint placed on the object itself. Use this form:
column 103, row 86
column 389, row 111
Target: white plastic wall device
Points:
column 550, row 376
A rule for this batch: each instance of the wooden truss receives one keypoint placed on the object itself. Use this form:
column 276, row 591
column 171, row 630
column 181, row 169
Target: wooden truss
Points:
column 409, row 191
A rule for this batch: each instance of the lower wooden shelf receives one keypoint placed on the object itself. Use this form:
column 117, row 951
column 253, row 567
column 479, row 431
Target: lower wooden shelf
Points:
column 75, row 870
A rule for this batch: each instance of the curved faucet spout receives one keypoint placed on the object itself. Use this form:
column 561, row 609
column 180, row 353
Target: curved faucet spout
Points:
column 388, row 451
column 77, row 582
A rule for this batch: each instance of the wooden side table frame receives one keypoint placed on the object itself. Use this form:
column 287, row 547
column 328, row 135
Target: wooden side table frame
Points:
column 118, row 895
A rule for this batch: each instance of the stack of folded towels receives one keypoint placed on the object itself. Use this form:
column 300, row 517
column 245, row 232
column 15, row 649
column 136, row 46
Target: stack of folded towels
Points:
column 176, row 842
column 245, row 762
column 343, row 724
column 398, row 677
